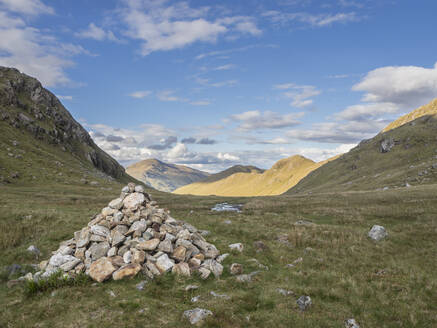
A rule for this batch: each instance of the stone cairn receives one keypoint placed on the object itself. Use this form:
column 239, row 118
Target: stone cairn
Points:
column 133, row 235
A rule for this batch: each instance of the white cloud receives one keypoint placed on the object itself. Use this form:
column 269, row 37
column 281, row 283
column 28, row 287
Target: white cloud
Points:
column 320, row 20
column 300, row 94
column 140, row 94
column 256, row 120
column 96, row 33
column 405, row 86
column 26, row 7
column 224, row 67
column 168, row 95
column 365, row 112
column 33, row 51
column 161, row 27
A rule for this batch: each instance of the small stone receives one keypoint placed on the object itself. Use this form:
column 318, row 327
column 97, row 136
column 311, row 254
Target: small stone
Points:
column 285, row 292
column 246, row 277
column 222, row 257
column 181, row 269
column 236, row 268
column 303, row 223
column 125, row 189
column 213, row 266
column 117, row 237
column 351, row 323
column 377, row 233
column 99, row 250
column 70, row 265
column 141, row 285
column 165, row 246
column 134, row 200
column 195, row 299
column 227, row 222
column 112, row 251
column 59, row 259
column 237, row 247
column 34, row 250
column 111, row 293
column 179, row 253
column 191, row 287
column 116, row 203
column 127, row 271
column 304, row 302
column 164, row 264
column 149, row 245
column 204, row 273
column 138, row 256
column 108, row 211
column 117, row 261
column 197, row 315
column 101, row 269
column 224, row 296
column 127, row 257
column 100, row 230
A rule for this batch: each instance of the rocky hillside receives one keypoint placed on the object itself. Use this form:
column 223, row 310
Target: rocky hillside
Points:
column 278, row 179
column 39, row 136
column 399, row 158
column 163, row 176
column 428, row 109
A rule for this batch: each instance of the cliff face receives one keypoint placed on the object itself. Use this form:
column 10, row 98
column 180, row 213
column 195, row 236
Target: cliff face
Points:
column 27, row 106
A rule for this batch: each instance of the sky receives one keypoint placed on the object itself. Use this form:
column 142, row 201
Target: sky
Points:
column 211, row 84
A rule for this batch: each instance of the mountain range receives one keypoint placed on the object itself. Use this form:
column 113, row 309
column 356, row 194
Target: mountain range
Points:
column 164, row 177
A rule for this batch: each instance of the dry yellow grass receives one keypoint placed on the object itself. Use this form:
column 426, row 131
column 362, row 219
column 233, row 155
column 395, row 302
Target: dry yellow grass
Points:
column 429, row 109
column 282, row 176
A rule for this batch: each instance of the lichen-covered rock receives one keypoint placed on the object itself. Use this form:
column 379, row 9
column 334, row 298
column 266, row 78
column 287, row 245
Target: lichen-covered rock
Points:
column 134, row 200
column 304, row 302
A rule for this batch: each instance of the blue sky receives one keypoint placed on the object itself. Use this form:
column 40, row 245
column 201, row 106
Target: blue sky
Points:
column 211, row 84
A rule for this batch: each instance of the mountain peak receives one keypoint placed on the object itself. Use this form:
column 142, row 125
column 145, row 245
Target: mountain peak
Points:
column 428, row 109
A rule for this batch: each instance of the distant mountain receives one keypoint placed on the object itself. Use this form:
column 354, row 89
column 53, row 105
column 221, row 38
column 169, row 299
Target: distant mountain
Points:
column 400, row 156
column 278, row 179
column 163, row 176
column 40, row 140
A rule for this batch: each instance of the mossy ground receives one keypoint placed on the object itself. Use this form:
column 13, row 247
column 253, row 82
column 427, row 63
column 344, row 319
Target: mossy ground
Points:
column 392, row 283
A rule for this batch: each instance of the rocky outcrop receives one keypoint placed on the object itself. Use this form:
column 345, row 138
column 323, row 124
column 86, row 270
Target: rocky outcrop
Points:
column 26, row 105
column 130, row 235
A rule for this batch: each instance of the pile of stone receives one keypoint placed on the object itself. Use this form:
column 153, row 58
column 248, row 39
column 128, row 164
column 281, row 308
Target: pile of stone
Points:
column 134, row 235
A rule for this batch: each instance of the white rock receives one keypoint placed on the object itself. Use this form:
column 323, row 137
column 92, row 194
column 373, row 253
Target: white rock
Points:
column 127, row 257
column 70, row 265
column 222, row 257
column 237, row 247
column 134, row 200
column 377, row 233
column 304, row 302
column 164, row 263
column 100, row 230
column 33, row 249
column 59, row 259
column 116, row 203
column 351, row 323
column 139, row 188
column 197, row 315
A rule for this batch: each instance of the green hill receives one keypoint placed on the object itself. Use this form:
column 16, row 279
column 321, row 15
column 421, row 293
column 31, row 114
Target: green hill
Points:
column 41, row 141
column 401, row 157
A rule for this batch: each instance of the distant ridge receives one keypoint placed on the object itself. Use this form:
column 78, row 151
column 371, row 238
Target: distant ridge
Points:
column 278, row 179
column 428, row 109
column 163, row 176
column 404, row 154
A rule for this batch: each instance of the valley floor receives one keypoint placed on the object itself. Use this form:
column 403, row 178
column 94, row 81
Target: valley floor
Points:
column 392, row 283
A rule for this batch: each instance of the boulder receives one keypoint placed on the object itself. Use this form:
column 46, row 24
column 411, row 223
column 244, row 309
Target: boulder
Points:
column 149, row 245
column 164, row 263
column 127, row 271
column 134, row 200
column 101, row 269
column 377, row 233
